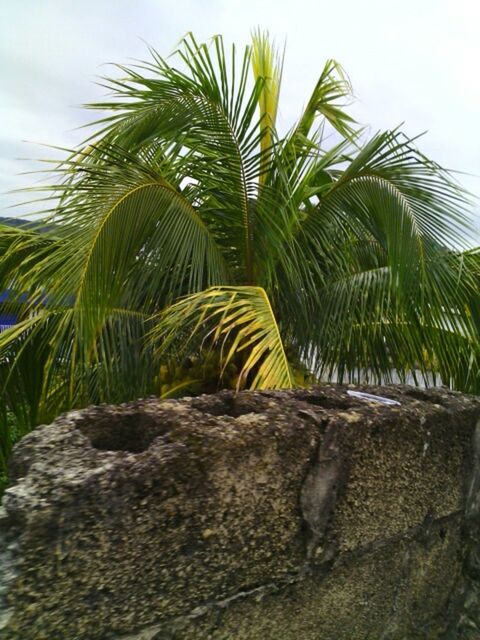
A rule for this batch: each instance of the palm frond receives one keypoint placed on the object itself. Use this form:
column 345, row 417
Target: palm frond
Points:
column 240, row 321
column 329, row 98
column 267, row 70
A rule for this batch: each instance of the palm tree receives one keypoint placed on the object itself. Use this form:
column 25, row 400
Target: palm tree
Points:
column 187, row 223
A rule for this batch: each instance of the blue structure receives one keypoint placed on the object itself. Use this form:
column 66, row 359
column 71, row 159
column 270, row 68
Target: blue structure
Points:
column 9, row 301
column 7, row 319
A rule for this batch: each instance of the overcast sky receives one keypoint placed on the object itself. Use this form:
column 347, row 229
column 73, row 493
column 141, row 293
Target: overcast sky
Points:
column 411, row 61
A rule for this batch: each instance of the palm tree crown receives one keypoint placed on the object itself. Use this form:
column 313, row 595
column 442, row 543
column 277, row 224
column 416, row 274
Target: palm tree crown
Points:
column 187, row 223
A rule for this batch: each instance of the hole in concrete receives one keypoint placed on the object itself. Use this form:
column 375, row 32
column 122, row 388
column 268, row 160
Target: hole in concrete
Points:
column 133, row 432
column 424, row 396
column 233, row 406
column 326, row 402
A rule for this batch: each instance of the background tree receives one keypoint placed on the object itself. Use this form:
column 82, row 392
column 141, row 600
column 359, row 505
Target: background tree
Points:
column 194, row 246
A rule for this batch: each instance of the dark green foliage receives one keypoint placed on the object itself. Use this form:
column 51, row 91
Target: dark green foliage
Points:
column 9, row 434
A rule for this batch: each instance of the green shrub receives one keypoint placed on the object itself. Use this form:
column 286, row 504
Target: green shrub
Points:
column 9, row 434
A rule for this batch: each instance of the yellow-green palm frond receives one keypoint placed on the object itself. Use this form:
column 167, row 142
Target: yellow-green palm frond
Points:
column 267, row 67
column 240, row 321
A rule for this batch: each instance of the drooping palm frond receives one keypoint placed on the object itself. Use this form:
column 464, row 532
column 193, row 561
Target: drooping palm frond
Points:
column 370, row 261
column 329, row 99
column 126, row 256
column 212, row 115
column 238, row 320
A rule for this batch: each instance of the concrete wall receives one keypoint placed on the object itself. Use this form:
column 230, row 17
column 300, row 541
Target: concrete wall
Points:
column 280, row 515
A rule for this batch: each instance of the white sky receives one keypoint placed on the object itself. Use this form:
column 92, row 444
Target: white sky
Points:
column 411, row 61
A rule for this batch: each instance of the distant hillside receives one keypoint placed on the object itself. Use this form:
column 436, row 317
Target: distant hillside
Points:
column 15, row 222
column 27, row 224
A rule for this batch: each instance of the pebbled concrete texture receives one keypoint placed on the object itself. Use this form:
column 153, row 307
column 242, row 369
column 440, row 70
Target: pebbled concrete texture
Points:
column 292, row 514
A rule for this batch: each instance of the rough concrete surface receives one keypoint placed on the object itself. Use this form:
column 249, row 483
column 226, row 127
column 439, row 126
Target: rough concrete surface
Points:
column 271, row 515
